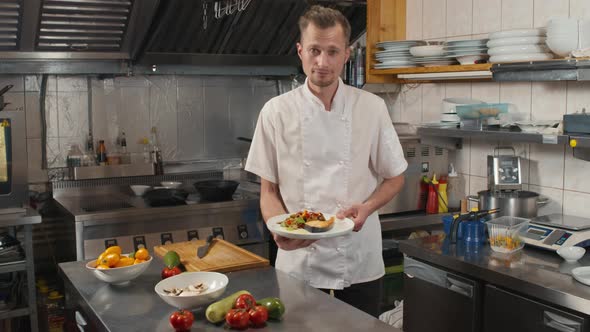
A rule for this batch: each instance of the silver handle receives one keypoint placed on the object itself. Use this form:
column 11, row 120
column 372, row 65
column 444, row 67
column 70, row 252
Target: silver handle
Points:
column 409, row 275
column 542, row 201
column 473, row 198
column 559, row 323
column 80, row 321
column 459, row 287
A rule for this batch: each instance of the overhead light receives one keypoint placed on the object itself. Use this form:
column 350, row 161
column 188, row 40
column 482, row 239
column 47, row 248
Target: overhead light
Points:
column 447, row 75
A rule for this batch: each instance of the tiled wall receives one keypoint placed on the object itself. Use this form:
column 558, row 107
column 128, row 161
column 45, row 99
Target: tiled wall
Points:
column 198, row 117
column 549, row 170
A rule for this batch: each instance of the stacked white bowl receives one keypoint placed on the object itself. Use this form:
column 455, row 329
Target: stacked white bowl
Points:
column 565, row 35
column 518, row 45
column 467, row 52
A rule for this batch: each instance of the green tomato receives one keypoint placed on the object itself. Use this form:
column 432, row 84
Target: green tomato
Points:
column 275, row 307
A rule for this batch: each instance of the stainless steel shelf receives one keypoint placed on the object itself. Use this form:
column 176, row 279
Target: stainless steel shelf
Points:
column 510, row 135
column 14, row 313
column 13, row 267
column 582, row 141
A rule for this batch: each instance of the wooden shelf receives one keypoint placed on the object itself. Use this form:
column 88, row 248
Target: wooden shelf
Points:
column 437, row 69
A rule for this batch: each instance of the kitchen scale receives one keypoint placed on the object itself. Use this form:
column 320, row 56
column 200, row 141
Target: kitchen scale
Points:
column 557, row 230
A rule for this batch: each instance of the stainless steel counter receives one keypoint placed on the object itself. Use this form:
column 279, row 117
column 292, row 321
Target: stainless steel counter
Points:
column 15, row 219
column 136, row 307
column 415, row 221
column 533, row 272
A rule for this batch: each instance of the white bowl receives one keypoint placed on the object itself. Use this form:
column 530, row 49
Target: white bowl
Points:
column 216, row 283
column 571, row 254
column 518, row 33
column 521, row 57
column 517, row 49
column 171, row 184
column 428, row 50
column 118, row 275
column 531, row 40
column 139, row 190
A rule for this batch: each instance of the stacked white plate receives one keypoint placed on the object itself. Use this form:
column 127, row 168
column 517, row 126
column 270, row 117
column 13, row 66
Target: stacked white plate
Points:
column 467, row 52
column 518, row 45
column 431, row 55
column 396, row 54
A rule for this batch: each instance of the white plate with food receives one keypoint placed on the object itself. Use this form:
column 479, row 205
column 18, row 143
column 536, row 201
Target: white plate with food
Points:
column 309, row 225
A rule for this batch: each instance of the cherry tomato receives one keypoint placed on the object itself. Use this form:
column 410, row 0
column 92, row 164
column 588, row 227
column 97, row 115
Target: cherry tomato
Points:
column 258, row 315
column 167, row 272
column 245, row 301
column 182, row 320
column 238, row 318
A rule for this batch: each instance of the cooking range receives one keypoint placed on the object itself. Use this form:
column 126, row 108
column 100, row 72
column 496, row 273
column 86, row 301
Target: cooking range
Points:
column 105, row 215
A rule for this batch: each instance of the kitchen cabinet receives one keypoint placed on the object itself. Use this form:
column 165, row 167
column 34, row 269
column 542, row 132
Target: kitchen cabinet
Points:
column 506, row 311
column 437, row 300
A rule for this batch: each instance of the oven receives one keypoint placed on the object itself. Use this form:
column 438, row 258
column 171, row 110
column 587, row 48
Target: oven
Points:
column 13, row 161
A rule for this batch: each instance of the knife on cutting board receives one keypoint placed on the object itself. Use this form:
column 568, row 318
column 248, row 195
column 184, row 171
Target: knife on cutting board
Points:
column 204, row 249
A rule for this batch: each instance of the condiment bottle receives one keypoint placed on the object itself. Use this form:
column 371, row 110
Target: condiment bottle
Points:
column 102, row 153
column 455, row 189
column 432, row 202
column 442, row 195
column 156, row 154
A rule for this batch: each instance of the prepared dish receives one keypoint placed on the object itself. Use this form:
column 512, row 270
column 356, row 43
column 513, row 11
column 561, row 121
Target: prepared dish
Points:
column 309, row 220
column 189, row 290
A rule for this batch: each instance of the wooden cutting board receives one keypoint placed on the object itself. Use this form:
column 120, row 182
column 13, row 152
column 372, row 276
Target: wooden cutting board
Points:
column 222, row 256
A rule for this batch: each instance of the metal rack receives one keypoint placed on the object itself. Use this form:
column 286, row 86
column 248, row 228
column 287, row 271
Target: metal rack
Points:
column 25, row 220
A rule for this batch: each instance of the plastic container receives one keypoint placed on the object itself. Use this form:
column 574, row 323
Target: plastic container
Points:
column 504, row 233
column 474, row 232
column 481, row 111
column 443, row 201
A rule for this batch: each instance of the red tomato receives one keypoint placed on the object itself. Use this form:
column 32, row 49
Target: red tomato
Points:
column 182, row 320
column 238, row 318
column 167, row 272
column 245, row 301
column 258, row 315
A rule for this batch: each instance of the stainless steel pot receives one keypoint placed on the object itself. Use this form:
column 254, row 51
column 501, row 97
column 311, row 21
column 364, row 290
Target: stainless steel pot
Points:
column 519, row 203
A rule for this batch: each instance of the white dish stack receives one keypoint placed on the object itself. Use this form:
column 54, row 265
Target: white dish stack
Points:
column 431, row 55
column 518, row 45
column 565, row 35
column 467, row 52
column 396, row 54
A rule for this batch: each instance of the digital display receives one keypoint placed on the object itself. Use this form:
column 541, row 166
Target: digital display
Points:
column 4, row 131
column 536, row 231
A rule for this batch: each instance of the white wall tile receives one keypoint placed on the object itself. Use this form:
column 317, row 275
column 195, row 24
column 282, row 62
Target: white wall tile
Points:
column 458, row 90
column 461, row 158
column 549, row 100
column 411, row 100
column 33, row 115
column 547, row 9
column 547, row 165
column 432, row 96
column 555, row 197
column 191, row 122
column 576, row 173
column 479, row 160
column 35, row 173
column 72, row 83
column 394, row 105
column 130, row 114
column 487, row 16
column 580, row 8
column 578, row 96
column 15, row 101
column 459, row 16
column 163, row 111
column 32, row 82
column 434, row 19
column 518, row 94
column 477, row 184
column 18, row 82
column 487, row 92
column 72, row 114
column 414, row 19
column 517, row 14
column 576, row 204
column 53, row 151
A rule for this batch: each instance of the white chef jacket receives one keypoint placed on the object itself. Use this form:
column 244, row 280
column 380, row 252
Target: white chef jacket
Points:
column 326, row 161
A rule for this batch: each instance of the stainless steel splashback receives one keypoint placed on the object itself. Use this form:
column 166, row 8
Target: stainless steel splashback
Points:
column 422, row 160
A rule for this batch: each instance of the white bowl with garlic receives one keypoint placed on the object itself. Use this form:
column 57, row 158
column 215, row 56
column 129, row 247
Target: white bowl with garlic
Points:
column 192, row 290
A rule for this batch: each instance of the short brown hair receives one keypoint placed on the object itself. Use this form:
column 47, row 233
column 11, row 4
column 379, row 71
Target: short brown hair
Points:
column 324, row 18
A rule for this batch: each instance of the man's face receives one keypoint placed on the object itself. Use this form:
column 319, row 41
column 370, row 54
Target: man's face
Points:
column 323, row 53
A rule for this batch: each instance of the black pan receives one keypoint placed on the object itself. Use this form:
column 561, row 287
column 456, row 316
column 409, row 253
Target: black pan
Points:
column 216, row 190
column 165, row 197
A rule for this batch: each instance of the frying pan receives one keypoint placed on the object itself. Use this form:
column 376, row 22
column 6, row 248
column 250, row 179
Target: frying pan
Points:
column 165, row 197
column 216, row 190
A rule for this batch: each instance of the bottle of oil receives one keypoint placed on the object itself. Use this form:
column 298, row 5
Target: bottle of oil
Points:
column 101, row 156
column 156, row 153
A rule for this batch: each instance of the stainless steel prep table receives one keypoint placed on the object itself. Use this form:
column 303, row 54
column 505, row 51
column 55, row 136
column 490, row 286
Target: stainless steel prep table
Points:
column 137, row 307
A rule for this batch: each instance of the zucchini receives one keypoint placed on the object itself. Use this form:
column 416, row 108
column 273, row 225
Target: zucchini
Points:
column 216, row 312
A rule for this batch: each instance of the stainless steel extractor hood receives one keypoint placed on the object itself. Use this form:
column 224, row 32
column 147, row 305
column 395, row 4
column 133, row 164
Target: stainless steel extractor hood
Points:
column 37, row 35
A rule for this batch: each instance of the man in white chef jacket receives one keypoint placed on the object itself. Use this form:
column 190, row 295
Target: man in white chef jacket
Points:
column 323, row 147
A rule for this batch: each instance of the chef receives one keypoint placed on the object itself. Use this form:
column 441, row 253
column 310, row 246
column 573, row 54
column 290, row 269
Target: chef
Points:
column 325, row 147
